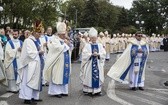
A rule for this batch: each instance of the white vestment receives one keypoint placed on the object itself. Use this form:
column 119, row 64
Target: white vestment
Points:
column 107, row 47
column 29, row 73
column 54, row 66
column 44, row 40
column 124, row 68
column 86, row 68
column 2, row 75
column 10, row 55
column 49, row 38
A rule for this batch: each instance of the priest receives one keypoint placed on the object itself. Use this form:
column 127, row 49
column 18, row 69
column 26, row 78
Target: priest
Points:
column 12, row 60
column 107, row 45
column 92, row 68
column 58, row 63
column 29, row 73
column 130, row 67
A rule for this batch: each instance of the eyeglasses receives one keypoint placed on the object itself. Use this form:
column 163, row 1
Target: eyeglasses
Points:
column 139, row 35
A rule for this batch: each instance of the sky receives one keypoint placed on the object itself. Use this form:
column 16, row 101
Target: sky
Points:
column 123, row 3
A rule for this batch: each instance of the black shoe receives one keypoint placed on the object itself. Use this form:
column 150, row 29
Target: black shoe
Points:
column 29, row 102
column 35, row 100
column 64, row 95
column 47, row 84
column 141, row 88
column 133, row 88
column 85, row 92
column 58, row 96
column 166, row 83
column 15, row 92
column 98, row 94
column 90, row 94
column 107, row 59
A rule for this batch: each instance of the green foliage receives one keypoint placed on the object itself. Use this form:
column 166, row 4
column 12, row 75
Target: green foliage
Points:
column 122, row 19
column 73, row 10
column 22, row 13
column 165, row 31
column 129, row 29
column 90, row 14
column 152, row 12
column 108, row 15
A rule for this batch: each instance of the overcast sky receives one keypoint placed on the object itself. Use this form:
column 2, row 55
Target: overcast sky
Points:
column 124, row 3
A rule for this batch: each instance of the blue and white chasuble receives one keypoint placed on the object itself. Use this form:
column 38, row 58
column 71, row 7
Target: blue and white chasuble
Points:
column 119, row 71
column 14, row 62
column 95, row 69
column 66, row 69
column 37, row 43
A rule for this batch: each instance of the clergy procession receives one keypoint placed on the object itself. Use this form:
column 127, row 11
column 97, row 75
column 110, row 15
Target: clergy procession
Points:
column 40, row 58
column 83, row 52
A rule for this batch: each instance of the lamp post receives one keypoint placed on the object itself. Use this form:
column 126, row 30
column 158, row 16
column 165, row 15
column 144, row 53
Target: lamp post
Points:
column 1, row 9
column 140, row 23
column 76, row 16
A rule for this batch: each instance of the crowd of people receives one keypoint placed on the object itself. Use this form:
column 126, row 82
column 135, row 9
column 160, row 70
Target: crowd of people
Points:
column 30, row 60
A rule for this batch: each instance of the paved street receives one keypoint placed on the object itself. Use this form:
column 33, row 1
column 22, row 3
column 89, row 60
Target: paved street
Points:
column 155, row 92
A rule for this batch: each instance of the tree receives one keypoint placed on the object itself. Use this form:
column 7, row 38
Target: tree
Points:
column 122, row 19
column 73, row 10
column 108, row 15
column 152, row 12
column 90, row 14
column 22, row 13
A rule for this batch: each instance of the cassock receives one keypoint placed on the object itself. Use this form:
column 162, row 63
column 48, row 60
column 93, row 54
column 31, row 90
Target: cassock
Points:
column 92, row 68
column 12, row 61
column 133, row 64
column 57, row 66
column 29, row 73
column 165, row 44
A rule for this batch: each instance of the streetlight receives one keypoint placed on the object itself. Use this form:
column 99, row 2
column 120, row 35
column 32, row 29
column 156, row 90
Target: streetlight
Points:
column 1, row 9
column 76, row 16
column 140, row 23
